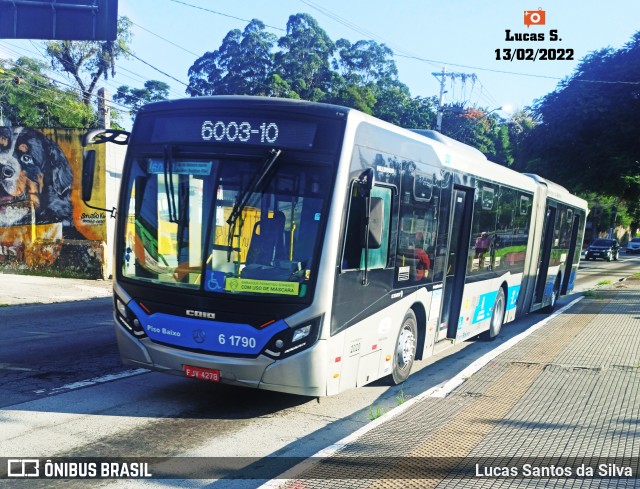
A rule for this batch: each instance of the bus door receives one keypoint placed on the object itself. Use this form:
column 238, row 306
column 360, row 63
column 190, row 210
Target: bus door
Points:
column 573, row 246
column 545, row 253
column 459, row 236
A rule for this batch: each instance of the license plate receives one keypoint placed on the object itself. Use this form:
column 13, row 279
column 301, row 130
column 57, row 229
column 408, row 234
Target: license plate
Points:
column 202, row 373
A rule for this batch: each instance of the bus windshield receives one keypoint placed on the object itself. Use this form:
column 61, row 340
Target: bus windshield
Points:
column 228, row 225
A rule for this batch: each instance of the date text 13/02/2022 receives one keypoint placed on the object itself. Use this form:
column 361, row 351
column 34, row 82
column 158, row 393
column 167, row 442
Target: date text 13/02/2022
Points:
column 529, row 54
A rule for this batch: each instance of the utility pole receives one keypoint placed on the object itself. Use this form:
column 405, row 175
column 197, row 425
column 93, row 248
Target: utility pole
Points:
column 104, row 110
column 442, row 77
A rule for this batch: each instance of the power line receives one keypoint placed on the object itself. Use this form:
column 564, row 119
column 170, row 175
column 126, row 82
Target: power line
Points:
column 166, row 40
column 75, row 89
column 549, row 77
column 160, row 71
column 224, row 15
column 360, row 30
column 78, row 90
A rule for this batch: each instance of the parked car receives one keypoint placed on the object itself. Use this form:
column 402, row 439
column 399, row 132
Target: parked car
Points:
column 633, row 246
column 607, row 249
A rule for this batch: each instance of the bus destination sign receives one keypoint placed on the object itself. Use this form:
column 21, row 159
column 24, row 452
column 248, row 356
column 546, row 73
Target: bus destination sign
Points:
column 226, row 130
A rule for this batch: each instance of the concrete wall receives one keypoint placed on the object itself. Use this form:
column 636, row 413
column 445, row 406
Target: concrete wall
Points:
column 45, row 228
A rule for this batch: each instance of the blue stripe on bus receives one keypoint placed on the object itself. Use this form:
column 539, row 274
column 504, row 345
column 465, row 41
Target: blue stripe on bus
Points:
column 207, row 335
column 512, row 298
column 484, row 309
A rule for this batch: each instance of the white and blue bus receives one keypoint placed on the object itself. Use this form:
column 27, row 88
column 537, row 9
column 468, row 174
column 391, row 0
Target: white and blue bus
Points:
column 309, row 248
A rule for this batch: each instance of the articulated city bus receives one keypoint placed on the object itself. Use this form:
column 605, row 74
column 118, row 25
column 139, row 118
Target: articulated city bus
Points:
column 310, row 248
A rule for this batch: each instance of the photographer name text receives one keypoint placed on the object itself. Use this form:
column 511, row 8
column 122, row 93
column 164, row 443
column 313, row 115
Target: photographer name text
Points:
column 547, row 471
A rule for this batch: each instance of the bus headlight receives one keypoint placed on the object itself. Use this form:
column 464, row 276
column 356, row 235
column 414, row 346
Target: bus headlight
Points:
column 301, row 333
column 293, row 340
column 128, row 319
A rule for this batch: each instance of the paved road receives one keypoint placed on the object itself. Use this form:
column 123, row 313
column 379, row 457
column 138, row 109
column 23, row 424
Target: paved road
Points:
column 61, row 395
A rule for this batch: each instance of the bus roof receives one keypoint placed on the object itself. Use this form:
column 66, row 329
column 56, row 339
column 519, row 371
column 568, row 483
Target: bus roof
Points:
column 315, row 108
column 455, row 154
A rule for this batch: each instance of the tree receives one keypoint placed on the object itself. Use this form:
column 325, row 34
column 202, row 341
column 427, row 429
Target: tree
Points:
column 29, row 98
column 134, row 98
column 366, row 63
column 304, row 58
column 481, row 129
column 519, row 126
column 395, row 105
column 243, row 65
column 90, row 59
column 366, row 71
column 587, row 138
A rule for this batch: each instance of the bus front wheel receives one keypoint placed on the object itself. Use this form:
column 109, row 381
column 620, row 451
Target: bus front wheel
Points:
column 405, row 351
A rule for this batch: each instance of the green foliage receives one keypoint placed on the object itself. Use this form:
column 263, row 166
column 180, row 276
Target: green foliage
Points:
column 304, row 59
column 88, row 61
column 306, row 64
column 29, row 98
column 134, row 98
column 243, row 65
column 601, row 213
column 481, row 129
column 587, row 138
column 375, row 413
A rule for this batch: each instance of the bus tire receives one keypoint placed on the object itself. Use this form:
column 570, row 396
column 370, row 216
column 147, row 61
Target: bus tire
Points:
column 405, row 348
column 555, row 293
column 497, row 317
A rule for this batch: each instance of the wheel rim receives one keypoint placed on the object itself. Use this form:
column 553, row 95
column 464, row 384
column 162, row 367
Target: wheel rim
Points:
column 405, row 348
column 498, row 313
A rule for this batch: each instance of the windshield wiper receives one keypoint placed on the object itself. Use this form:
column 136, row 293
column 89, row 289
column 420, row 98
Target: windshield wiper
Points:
column 256, row 184
column 168, row 183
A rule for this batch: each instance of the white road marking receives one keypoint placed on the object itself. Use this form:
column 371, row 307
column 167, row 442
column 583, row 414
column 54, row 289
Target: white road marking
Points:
column 96, row 380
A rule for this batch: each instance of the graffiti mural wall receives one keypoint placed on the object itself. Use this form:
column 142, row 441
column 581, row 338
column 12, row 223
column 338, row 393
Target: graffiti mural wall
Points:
column 44, row 225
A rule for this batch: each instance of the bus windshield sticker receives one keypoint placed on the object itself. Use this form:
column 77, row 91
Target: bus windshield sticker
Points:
column 403, row 273
column 261, row 286
column 203, row 168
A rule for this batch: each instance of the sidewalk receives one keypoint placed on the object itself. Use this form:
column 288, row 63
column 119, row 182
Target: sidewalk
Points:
column 31, row 289
column 560, row 408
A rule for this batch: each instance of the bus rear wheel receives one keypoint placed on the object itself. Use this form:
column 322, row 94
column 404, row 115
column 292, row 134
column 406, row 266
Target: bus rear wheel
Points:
column 497, row 317
column 405, row 351
column 555, row 293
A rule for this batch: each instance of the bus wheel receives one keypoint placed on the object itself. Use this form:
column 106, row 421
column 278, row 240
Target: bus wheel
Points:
column 405, row 348
column 555, row 293
column 497, row 318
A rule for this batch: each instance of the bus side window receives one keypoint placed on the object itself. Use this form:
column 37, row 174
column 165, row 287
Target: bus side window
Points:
column 353, row 254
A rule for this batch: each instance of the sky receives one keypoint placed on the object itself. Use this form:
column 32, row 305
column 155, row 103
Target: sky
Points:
column 427, row 36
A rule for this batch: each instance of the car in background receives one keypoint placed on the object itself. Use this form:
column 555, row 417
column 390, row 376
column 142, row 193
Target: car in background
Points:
column 607, row 249
column 633, row 246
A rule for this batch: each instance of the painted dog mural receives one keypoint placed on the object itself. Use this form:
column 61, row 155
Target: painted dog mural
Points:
column 43, row 222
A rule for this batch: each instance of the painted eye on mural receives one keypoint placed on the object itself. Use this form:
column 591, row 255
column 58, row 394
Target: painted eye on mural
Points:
column 7, row 172
column 26, row 159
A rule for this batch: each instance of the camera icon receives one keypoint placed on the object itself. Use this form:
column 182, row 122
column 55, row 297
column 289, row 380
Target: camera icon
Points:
column 535, row 17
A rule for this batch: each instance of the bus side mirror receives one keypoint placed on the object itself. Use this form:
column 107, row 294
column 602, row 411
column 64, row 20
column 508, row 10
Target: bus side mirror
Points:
column 88, row 171
column 376, row 217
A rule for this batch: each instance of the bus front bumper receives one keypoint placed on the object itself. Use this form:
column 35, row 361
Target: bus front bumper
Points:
column 294, row 375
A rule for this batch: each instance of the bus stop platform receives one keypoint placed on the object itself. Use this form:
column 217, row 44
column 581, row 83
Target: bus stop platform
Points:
column 561, row 408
